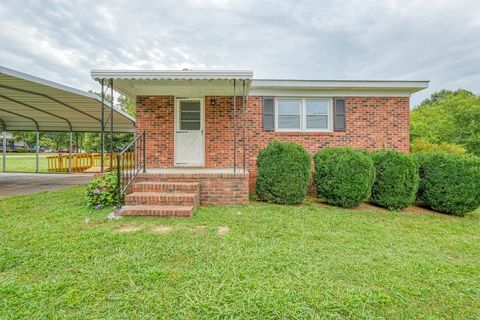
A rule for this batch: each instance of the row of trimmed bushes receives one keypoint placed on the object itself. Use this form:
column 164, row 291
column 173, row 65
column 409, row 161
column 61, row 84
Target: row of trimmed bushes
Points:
column 347, row 177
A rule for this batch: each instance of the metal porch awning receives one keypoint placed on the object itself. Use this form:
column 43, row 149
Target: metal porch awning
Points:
column 29, row 103
column 188, row 83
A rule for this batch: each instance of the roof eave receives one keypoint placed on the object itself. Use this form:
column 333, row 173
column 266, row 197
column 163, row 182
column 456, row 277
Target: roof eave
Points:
column 340, row 84
column 172, row 75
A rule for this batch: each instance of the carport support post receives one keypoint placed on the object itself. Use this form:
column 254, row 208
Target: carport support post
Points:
column 70, row 151
column 4, row 169
column 36, row 150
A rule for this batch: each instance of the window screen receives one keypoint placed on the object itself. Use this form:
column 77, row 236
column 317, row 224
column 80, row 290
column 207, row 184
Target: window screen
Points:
column 317, row 114
column 289, row 114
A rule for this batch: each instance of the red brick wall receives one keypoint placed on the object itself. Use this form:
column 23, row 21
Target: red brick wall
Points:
column 219, row 132
column 154, row 114
column 372, row 123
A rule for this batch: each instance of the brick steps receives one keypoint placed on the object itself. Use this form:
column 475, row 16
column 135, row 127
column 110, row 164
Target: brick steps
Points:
column 216, row 186
column 155, row 198
column 147, row 186
column 162, row 199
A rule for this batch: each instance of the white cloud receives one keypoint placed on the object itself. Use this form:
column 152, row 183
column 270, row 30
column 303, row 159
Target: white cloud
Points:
column 358, row 39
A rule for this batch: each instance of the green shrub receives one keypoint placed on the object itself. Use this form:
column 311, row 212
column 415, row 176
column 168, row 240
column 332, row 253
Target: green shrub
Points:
column 449, row 183
column 343, row 176
column 284, row 171
column 396, row 179
column 102, row 191
column 421, row 145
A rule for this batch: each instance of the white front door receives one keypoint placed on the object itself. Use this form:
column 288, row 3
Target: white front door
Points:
column 189, row 141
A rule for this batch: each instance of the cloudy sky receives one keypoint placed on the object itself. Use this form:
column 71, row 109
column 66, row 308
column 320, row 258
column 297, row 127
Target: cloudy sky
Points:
column 359, row 39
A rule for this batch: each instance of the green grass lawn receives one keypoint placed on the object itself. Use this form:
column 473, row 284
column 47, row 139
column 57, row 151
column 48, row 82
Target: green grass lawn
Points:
column 24, row 162
column 61, row 260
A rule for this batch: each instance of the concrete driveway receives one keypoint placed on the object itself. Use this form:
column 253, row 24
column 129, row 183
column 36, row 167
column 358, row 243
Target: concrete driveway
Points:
column 25, row 183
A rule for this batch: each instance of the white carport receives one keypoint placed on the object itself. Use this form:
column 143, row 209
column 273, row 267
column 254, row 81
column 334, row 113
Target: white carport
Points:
column 29, row 103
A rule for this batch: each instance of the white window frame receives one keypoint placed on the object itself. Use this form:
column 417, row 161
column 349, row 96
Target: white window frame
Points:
column 303, row 114
column 277, row 115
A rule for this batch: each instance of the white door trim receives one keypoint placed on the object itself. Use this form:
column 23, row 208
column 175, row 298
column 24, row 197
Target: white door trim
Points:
column 202, row 130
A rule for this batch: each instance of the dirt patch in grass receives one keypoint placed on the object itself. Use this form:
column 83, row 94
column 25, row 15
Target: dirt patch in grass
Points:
column 369, row 207
column 128, row 228
column 162, row 229
column 418, row 209
column 223, row 230
column 414, row 209
column 199, row 229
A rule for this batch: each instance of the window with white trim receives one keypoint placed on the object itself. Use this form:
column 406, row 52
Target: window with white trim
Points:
column 289, row 114
column 312, row 114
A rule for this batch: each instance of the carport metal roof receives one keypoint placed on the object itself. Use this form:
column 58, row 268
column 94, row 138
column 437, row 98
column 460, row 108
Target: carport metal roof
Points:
column 28, row 103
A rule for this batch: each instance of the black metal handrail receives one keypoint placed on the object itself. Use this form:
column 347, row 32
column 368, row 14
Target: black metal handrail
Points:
column 130, row 162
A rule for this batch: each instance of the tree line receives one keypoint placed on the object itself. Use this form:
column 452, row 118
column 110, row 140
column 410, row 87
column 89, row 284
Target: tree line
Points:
column 447, row 121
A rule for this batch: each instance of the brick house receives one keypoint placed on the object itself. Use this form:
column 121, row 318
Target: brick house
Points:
column 207, row 127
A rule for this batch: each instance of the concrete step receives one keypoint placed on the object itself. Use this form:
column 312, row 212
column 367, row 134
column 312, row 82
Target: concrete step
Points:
column 157, row 210
column 162, row 198
column 153, row 186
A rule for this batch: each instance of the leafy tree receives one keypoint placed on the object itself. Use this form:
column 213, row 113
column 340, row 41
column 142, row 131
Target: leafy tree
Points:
column 127, row 105
column 92, row 141
column 58, row 140
column 53, row 140
column 448, row 117
column 26, row 136
column 444, row 94
column 46, row 141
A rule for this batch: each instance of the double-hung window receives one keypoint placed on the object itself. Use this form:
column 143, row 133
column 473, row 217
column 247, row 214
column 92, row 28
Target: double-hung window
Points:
column 289, row 113
column 303, row 114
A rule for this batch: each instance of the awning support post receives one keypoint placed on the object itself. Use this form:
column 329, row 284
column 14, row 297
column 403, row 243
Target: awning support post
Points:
column 70, row 151
column 244, row 109
column 37, row 138
column 234, row 126
column 4, row 149
column 102, row 135
column 111, row 125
